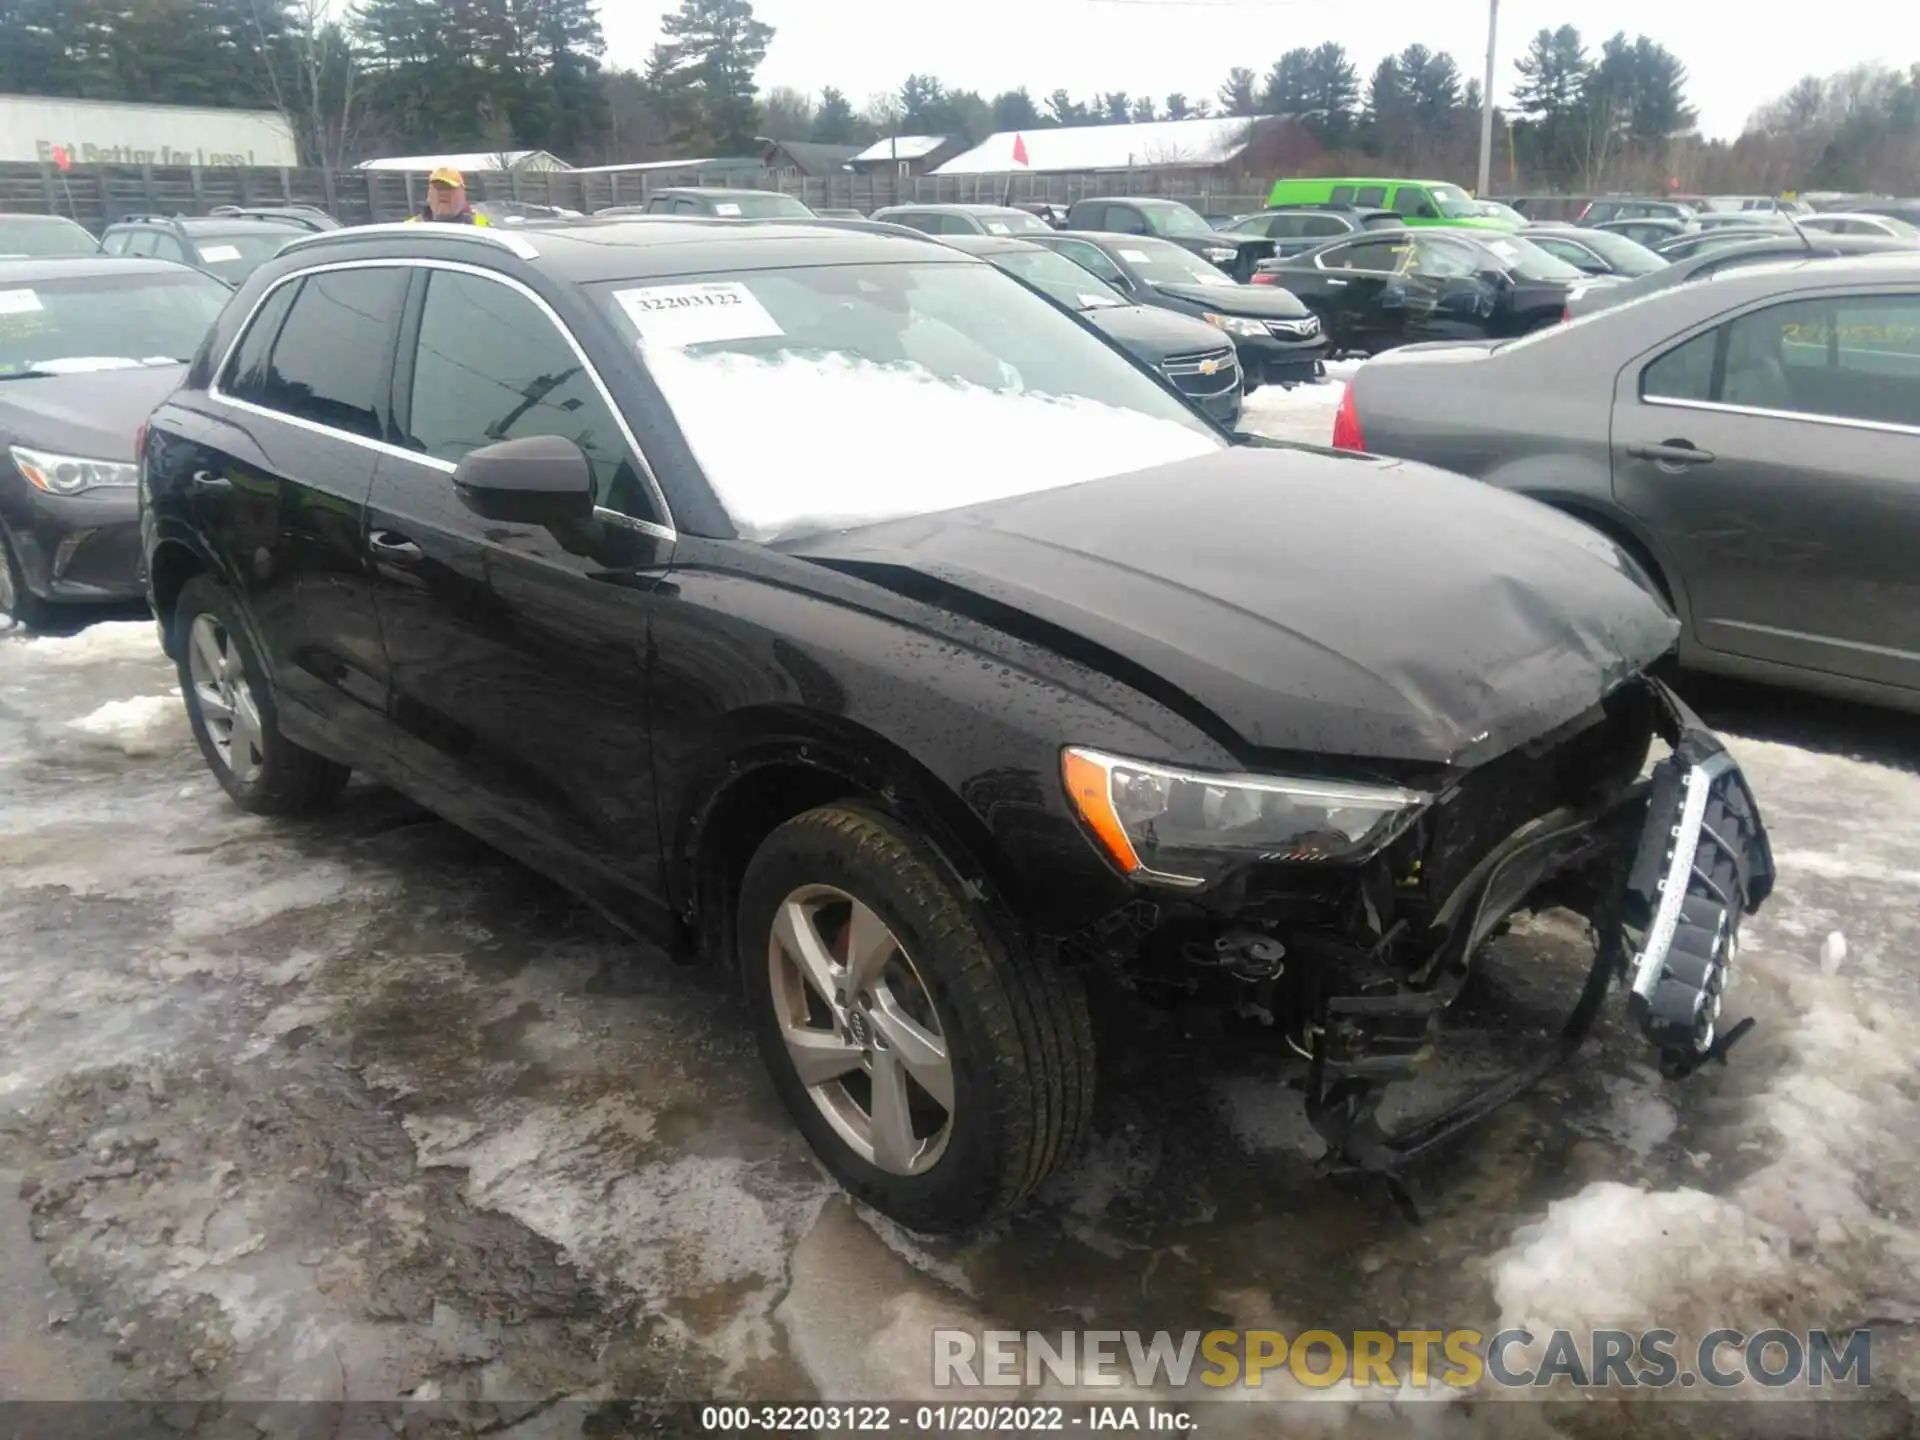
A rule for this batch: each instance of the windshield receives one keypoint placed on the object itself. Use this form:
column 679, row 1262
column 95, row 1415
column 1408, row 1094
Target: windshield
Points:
column 768, row 205
column 1169, row 217
column 1454, row 202
column 1628, row 257
column 1014, row 222
column 235, row 254
column 43, row 236
column 1528, row 261
column 769, row 372
column 1494, row 210
column 1159, row 262
column 1070, row 284
column 104, row 321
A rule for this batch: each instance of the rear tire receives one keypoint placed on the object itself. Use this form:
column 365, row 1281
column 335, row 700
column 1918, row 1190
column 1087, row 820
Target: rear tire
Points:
column 230, row 706
column 1011, row 1027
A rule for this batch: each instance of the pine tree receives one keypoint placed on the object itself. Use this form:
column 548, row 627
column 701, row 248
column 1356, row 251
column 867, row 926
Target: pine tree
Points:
column 1015, row 110
column 1285, row 90
column 1237, row 94
column 833, row 122
column 704, row 72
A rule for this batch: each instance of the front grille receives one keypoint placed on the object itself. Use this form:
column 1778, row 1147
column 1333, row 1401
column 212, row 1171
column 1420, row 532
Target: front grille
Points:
column 1203, row 372
column 1295, row 329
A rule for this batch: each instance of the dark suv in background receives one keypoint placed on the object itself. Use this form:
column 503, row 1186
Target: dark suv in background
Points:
column 228, row 247
column 1177, row 223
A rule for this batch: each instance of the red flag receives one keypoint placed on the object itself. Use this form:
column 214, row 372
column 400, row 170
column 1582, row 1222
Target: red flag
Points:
column 1019, row 149
column 61, row 158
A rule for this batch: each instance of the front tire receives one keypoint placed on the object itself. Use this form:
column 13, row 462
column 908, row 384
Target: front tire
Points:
column 940, row 1072
column 230, row 706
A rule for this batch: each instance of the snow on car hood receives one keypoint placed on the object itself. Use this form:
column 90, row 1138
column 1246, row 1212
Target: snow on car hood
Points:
column 767, row 433
column 1314, row 603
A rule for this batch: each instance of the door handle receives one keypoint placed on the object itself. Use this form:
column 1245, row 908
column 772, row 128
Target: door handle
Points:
column 394, row 549
column 1672, row 453
column 208, row 483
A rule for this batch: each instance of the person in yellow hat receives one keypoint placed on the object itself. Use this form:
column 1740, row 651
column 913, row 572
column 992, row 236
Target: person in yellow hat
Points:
column 447, row 200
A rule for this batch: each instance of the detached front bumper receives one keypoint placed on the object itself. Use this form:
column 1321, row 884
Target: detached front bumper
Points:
column 1668, row 868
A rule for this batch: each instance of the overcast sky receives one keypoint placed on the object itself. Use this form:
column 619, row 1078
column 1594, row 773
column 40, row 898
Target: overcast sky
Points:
column 1737, row 56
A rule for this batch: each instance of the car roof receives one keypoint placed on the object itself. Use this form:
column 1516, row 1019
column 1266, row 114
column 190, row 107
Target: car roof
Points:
column 954, row 208
column 716, row 190
column 1876, row 268
column 62, row 267
column 35, row 219
column 591, row 249
column 990, row 244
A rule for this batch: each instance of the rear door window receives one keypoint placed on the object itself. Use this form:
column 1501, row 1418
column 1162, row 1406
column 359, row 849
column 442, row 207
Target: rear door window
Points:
column 1684, row 372
column 246, row 374
column 1125, row 220
column 1853, row 358
column 329, row 360
column 469, row 390
column 1370, row 197
column 1342, row 195
column 1321, row 225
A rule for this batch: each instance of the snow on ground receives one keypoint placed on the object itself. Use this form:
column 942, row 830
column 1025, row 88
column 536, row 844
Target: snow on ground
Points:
column 1303, row 413
column 355, row 1107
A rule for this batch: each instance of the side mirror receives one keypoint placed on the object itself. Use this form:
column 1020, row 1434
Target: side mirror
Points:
column 1498, row 279
column 1121, row 281
column 538, row 480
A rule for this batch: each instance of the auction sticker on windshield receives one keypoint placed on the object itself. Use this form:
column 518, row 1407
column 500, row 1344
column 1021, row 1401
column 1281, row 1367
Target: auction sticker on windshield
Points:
column 1138, row 257
column 212, row 253
column 18, row 302
column 676, row 316
column 725, row 207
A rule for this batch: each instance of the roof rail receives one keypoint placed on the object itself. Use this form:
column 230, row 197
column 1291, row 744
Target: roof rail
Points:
column 500, row 238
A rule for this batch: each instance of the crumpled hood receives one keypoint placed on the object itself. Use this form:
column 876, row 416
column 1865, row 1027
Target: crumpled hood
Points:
column 1311, row 602
column 94, row 413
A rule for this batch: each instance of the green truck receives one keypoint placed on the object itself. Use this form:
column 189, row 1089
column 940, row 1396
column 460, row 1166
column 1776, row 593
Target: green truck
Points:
column 1418, row 202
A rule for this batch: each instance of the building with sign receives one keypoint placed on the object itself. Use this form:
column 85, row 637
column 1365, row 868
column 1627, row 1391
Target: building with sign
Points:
column 36, row 129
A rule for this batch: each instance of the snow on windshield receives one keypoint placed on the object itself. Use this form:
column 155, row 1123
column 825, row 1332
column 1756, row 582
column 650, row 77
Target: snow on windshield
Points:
column 823, row 397
column 795, row 445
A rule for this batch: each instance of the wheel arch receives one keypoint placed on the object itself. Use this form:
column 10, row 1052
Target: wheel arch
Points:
column 792, row 761
column 171, row 565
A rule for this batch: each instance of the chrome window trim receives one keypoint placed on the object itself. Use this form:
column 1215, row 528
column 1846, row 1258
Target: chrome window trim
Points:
column 458, row 234
column 1879, row 426
column 668, row 531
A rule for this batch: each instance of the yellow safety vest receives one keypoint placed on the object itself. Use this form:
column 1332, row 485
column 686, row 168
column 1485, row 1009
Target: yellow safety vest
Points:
column 477, row 220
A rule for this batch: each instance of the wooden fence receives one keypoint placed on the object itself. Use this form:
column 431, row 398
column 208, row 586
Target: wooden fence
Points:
column 97, row 195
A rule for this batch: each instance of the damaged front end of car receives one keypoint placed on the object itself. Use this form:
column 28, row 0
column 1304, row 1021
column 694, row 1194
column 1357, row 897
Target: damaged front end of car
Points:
column 1349, row 915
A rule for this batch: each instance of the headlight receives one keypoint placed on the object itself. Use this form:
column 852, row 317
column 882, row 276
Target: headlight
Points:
column 70, row 474
column 1234, row 324
column 1185, row 827
column 1220, row 257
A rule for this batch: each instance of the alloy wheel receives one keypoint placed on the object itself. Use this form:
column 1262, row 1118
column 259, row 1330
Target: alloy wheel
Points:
column 861, row 1030
column 225, row 698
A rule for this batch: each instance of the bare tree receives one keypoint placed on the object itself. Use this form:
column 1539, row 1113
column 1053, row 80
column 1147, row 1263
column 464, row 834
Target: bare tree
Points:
column 314, row 79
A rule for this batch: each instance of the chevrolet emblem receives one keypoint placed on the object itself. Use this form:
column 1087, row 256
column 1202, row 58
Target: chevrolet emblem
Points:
column 1208, row 367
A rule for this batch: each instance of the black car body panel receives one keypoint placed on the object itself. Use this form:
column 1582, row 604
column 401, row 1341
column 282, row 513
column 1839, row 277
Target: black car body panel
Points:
column 1367, row 306
column 633, row 701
